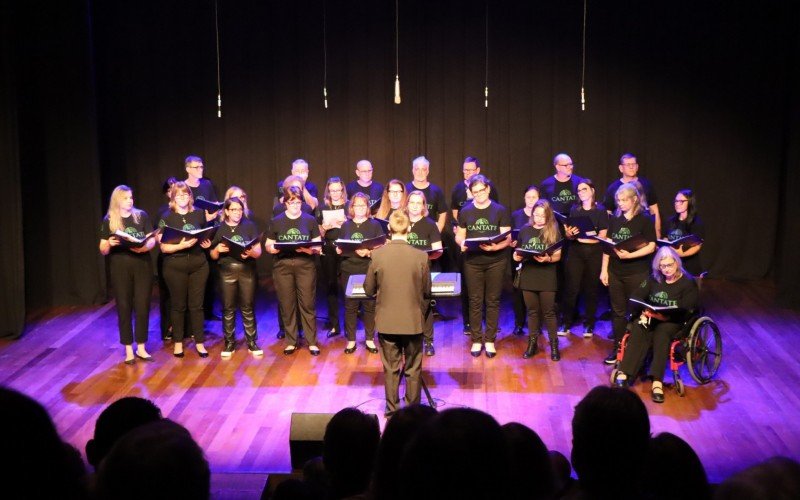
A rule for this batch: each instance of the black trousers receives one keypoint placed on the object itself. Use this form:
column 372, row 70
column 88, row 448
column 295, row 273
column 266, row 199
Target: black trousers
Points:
column 485, row 285
column 620, row 289
column 517, row 301
column 351, row 313
column 186, row 276
column 238, row 280
column 541, row 305
column 582, row 274
column 330, row 271
column 295, row 281
column 164, row 306
column 658, row 336
column 132, row 279
column 394, row 349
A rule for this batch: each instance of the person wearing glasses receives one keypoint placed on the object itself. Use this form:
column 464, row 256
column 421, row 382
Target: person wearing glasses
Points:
column 629, row 168
column 202, row 189
column 561, row 189
column 668, row 285
column 519, row 218
column 484, row 268
column 131, row 274
column 622, row 271
column 437, row 204
column 185, row 268
column 294, row 271
column 280, row 204
column 330, row 216
column 584, row 260
column 360, row 226
column 537, row 277
column 394, row 198
column 237, row 267
column 686, row 221
column 365, row 184
column 424, row 235
column 459, row 197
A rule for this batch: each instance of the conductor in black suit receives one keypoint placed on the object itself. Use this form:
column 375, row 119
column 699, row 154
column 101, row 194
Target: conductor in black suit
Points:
column 399, row 279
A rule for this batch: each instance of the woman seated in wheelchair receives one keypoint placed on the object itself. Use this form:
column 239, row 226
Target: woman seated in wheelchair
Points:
column 665, row 301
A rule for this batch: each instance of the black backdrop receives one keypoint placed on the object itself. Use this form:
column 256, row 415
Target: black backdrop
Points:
column 96, row 94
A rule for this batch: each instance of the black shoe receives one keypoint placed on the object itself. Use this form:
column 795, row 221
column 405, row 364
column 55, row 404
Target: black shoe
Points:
column 281, row 334
column 373, row 350
column 612, row 356
column 489, row 349
column 519, row 331
column 144, row 358
column 466, row 329
column 333, row 332
column 476, row 349
column 227, row 351
column 314, row 350
column 564, row 330
column 289, row 350
column 588, row 332
column 131, row 361
column 657, row 397
column 622, row 382
column 201, row 354
column 533, row 348
column 254, row 349
column 178, row 354
column 350, row 350
column 555, row 355
column 429, row 350
column 167, row 337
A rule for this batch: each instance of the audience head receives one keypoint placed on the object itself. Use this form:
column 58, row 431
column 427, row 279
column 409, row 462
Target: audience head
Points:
column 349, row 446
column 531, row 471
column 777, row 478
column 115, row 421
column 610, row 434
column 157, row 460
column 669, row 454
column 400, row 431
column 442, row 458
column 34, row 461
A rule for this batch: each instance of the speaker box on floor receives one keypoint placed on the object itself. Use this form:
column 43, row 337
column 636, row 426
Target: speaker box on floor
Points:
column 305, row 436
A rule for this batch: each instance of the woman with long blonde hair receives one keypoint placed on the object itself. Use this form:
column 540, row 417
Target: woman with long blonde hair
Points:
column 394, row 198
column 124, row 238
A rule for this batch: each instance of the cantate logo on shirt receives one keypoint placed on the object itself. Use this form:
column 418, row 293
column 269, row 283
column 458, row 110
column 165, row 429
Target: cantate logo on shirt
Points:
column 188, row 227
column 623, row 234
column 293, row 234
column 162, row 223
column 237, row 238
column 675, row 234
column 482, row 225
column 534, row 244
column 134, row 232
column 662, row 299
column 356, row 236
column 564, row 196
column 415, row 240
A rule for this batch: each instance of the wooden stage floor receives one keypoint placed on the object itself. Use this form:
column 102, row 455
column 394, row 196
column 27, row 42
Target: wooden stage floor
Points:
column 239, row 409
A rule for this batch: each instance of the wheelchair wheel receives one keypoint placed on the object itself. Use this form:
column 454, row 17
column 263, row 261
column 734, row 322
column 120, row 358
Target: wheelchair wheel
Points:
column 704, row 350
column 613, row 377
column 679, row 387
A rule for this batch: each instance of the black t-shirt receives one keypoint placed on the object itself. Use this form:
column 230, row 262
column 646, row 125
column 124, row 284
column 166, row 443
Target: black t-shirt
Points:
column 677, row 229
column 482, row 222
column 519, row 218
column 682, row 293
column 423, row 233
column 621, row 229
column 204, row 191
column 561, row 195
column 244, row 232
column 459, row 196
column 196, row 219
column 434, row 196
column 535, row 276
column 335, row 233
column 597, row 215
column 137, row 229
column 282, row 229
column 374, row 191
column 358, row 231
column 610, row 201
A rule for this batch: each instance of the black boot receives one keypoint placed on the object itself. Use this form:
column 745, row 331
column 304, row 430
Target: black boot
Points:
column 554, row 354
column 612, row 356
column 533, row 347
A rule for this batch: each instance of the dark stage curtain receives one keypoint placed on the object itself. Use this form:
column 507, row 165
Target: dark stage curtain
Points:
column 12, row 292
column 698, row 90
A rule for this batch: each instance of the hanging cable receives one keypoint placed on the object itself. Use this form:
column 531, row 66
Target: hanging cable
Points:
column 324, row 56
column 397, row 99
column 583, row 58
column 486, row 74
column 219, row 80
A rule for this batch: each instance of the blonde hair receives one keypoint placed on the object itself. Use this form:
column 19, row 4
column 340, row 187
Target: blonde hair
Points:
column 114, row 218
column 550, row 233
column 424, row 201
column 630, row 189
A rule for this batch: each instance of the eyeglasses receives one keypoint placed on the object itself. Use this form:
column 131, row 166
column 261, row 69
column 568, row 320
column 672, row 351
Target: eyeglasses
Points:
column 681, row 201
column 334, row 190
column 196, row 166
column 295, row 202
column 580, row 190
column 470, row 170
column 182, row 195
column 358, row 206
column 667, row 266
column 564, row 165
column 634, row 164
column 364, row 171
column 235, row 210
column 479, row 191
column 395, row 191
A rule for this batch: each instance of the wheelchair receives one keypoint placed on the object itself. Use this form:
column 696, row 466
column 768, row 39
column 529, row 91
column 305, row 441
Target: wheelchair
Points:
column 699, row 347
